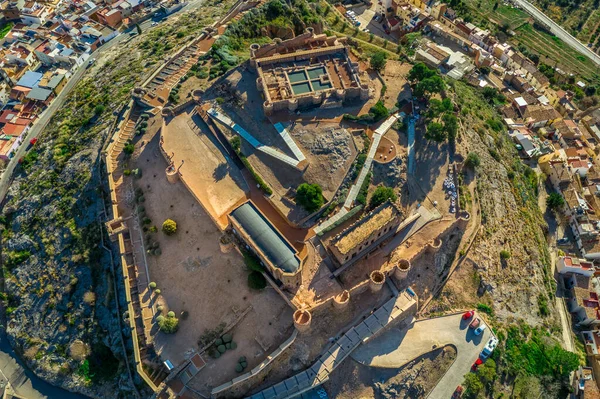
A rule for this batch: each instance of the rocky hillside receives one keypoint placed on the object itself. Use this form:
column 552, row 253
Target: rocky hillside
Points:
column 59, row 291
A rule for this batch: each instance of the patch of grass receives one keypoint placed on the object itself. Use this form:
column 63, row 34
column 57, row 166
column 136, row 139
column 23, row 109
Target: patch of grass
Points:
column 487, row 309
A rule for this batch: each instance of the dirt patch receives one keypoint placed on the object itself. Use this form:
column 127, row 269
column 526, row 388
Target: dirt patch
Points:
column 415, row 380
column 208, row 284
column 394, row 76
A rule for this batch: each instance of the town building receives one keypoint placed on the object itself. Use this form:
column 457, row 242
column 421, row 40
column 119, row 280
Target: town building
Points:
column 366, row 234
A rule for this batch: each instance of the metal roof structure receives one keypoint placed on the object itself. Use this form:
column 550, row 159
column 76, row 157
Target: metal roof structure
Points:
column 275, row 247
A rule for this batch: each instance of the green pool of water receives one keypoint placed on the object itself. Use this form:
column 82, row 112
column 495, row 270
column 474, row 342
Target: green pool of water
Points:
column 317, row 85
column 316, row 73
column 301, row 88
column 297, row 76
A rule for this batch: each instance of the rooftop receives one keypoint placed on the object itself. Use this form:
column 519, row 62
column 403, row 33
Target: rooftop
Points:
column 362, row 229
column 266, row 237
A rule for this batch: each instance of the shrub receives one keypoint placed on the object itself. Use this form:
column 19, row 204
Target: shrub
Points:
column 239, row 368
column 171, row 314
column 169, row 325
column 472, row 160
column 256, row 280
column 157, row 252
column 160, row 318
column 129, row 148
column 228, row 345
column 153, row 229
column 482, row 307
column 555, row 201
column 160, row 308
column 219, row 341
column 378, row 60
column 244, row 364
column 169, row 227
column 152, row 285
column 242, row 359
column 504, row 254
column 233, row 345
column 127, row 172
column 227, row 338
column 381, row 195
column 310, row 196
column 157, row 291
column 221, row 348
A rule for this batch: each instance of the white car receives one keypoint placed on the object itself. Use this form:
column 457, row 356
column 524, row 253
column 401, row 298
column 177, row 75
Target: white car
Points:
column 489, row 348
column 154, row 23
column 480, row 329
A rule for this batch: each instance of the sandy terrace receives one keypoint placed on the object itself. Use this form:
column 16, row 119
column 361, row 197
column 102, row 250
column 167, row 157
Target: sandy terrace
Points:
column 211, row 178
column 394, row 76
column 196, row 276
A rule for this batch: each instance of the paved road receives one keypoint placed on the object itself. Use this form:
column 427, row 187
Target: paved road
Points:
column 558, row 30
column 399, row 346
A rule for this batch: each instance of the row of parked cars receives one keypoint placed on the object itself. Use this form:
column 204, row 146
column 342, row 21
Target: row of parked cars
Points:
column 478, row 328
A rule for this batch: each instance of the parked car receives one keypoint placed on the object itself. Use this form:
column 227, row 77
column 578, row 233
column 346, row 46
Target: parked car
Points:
column 357, row 23
column 477, row 363
column 480, row 329
column 475, row 323
column 468, row 315
column 457, row 392
column 31, row 143
column 154, row 23
column 489, row 348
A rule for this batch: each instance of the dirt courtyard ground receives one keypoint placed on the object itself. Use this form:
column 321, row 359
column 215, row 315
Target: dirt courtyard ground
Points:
column 212, row 178
column 394, row 76
column 208, row 283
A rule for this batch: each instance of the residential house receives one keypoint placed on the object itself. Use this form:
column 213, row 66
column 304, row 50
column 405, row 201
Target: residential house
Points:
column 583, row 303
column 8, row 145
column 572, row 265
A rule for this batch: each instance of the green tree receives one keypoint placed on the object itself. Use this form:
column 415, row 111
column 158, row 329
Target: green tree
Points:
column 450, row 126
column 256, row 280
column 138, row 28
column 310, row 196
column 379, row 111
column 472, row 160
column 381, row 195
column 435, row 131
column 419, row 72
column 555, row 201
column 473, row 385
column 169, row 324
column 429, row 86
column 378, row 60
column 169, row 227
column 487, row 371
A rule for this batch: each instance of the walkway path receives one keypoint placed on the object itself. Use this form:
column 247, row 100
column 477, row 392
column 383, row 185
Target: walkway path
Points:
column 224, row 119
column 396, row 347
column 285, row 135
column 411, row 145
column 396, row 308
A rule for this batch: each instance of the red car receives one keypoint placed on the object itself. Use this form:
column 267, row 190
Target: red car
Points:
column 468, row 315
column 458, row 392
column 475, row 323
column 477, row 363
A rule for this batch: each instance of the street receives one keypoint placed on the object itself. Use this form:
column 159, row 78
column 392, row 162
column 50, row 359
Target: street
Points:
column 558, row 30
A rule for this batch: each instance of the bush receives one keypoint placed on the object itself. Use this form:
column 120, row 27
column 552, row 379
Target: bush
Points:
column 221, row 348
column 169, row 227
column 482, row 307
column 219, row 341
column 171, row 314
column 227, row 338
column 256, row 280
column 555, row 201
column 310, row 196
column 472, row 160
column 169, row 325
column 504, row 254
column 381, row 195
column 152, row 285
column 157, row 291
column 379, row 111
column 160, row 308
column 233, row 345
column 160, row 318
column 228, row 345
column 242, row 359
column 239, row 368
column 378, row 60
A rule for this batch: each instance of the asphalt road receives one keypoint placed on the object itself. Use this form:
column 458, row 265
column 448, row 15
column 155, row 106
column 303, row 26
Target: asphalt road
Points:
column 558, row 30
column 396, row 347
